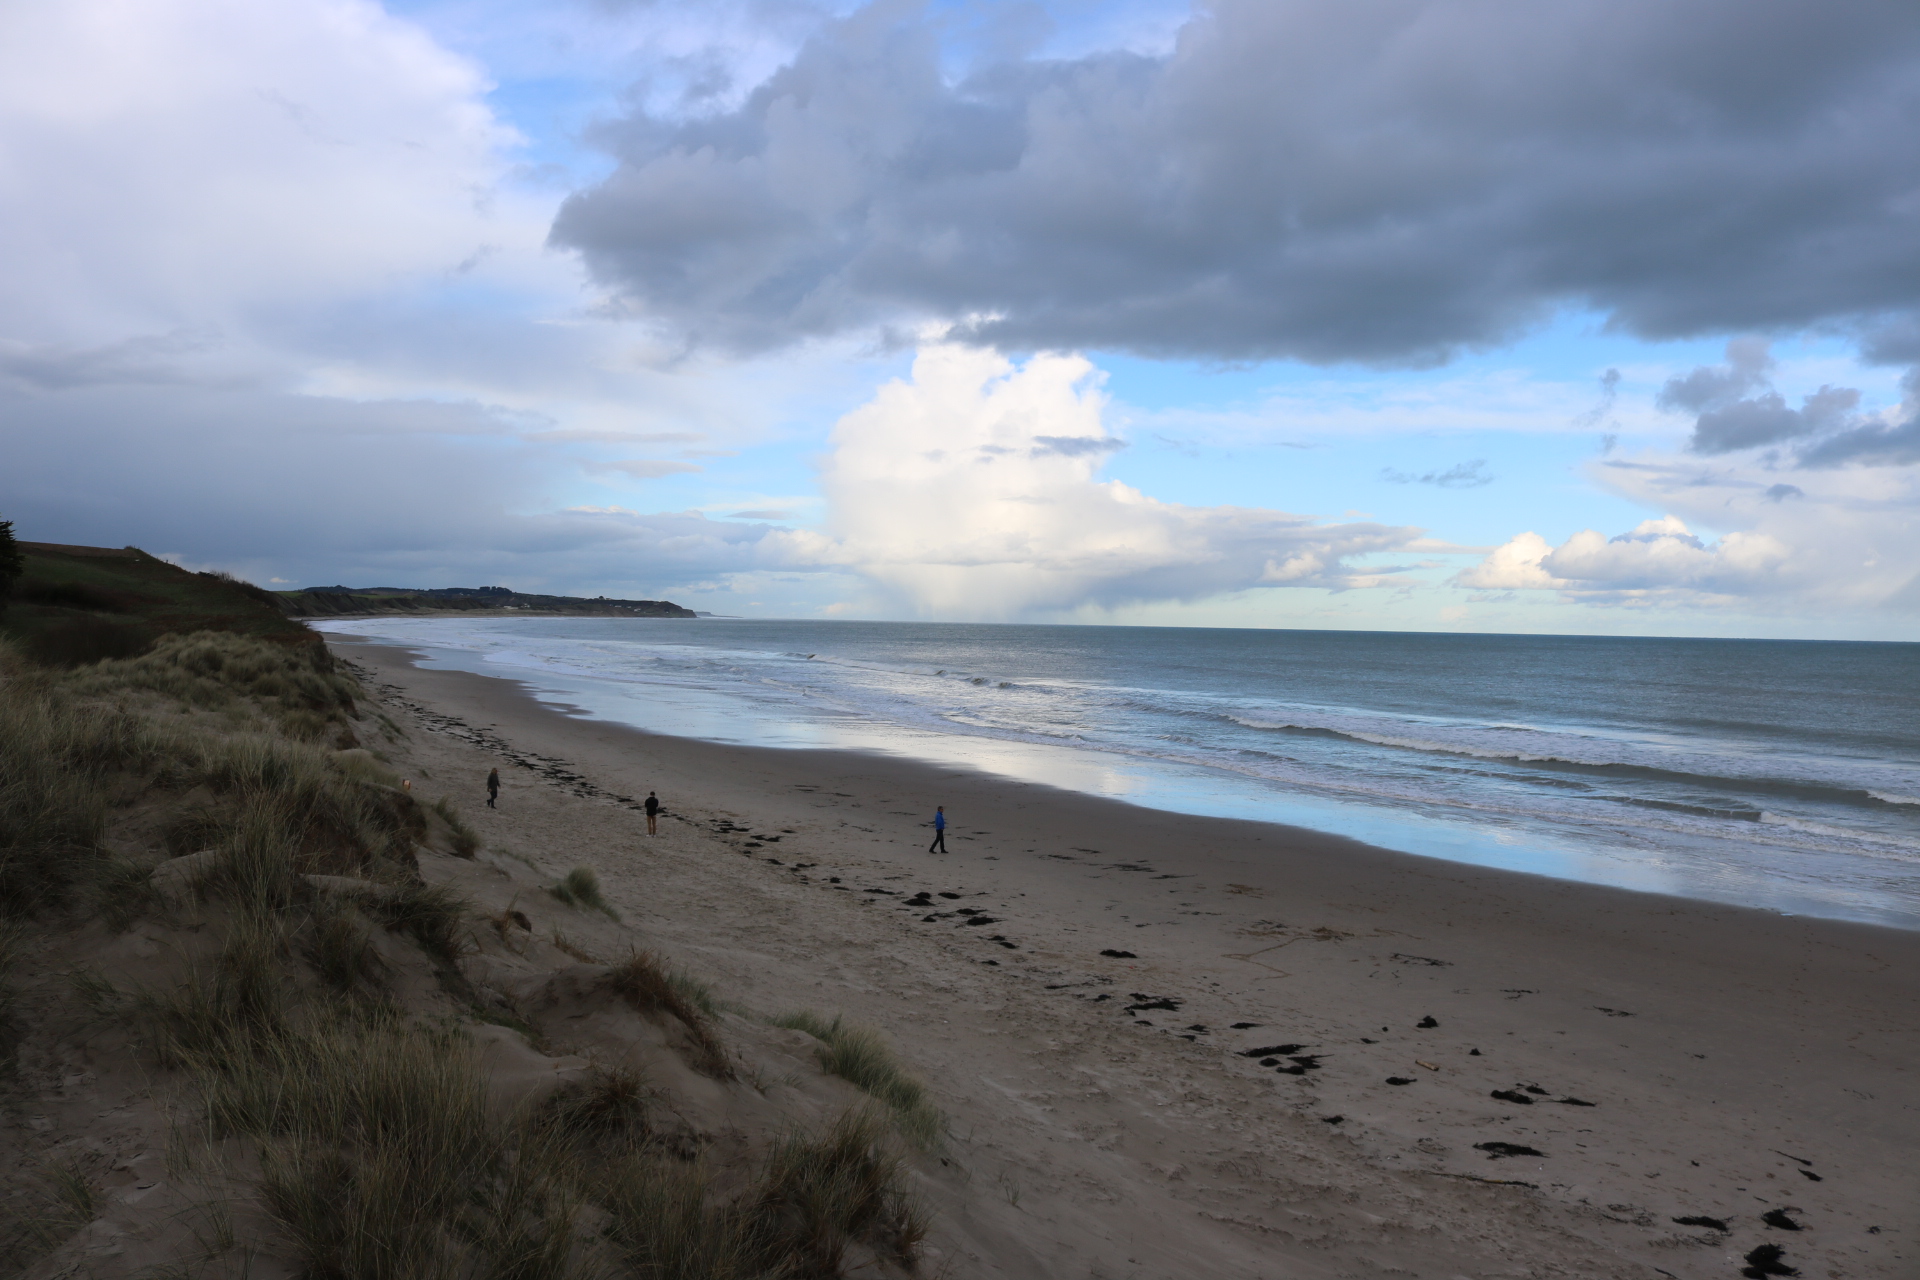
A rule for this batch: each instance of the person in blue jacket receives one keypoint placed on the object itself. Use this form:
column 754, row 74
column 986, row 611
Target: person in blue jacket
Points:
column 939, row 829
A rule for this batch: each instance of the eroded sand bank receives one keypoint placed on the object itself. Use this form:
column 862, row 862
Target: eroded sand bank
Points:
column 1737, row 1063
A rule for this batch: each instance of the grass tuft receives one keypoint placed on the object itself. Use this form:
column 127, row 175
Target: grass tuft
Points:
column 13, row 946
column 339, row 949
column 236, row 1011
column 40, row 1209
column 607, row 1104
column 820, row 1193
column 661, row 1218
column 699, row 994
column 646, row 983
column 464, row 841
column 862, row 1058
column 815, row 1196
column 432, row 915
column 55, row 760
column 581, row 888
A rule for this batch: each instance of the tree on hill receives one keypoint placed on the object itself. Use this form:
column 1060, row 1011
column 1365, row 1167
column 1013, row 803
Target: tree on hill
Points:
column 12, row 563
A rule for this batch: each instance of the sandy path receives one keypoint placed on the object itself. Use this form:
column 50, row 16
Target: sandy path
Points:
column 1739, row 1062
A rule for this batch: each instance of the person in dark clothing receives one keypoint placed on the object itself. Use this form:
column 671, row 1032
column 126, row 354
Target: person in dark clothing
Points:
column 493, row 786
column 939, row 829
column 653, row 813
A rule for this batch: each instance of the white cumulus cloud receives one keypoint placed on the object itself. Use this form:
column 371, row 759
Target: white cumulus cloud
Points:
column 1659, row 557
column 973, row 491
column 1839, row 541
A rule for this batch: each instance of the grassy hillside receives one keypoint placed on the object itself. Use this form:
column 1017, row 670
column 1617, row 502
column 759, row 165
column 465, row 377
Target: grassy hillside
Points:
column 74, row 605
column 264, row 1011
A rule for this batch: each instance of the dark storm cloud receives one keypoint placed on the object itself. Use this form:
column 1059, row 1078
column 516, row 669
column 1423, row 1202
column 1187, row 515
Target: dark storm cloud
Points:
column 153, row 359
column 310, row 489
column 1766, row 419
column 1829, row 432
column 1710, row 386
column 1386, row 181
column 1884, row 446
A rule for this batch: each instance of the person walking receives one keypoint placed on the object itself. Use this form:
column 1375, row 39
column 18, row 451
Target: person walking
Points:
column 493, row 786
column 653, row 813
column 939, row 829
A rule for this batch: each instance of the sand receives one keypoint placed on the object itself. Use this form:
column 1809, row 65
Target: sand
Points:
column 1109, row 1117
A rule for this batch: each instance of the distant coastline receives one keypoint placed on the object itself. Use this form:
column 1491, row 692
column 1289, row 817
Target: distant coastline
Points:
column 363, row 602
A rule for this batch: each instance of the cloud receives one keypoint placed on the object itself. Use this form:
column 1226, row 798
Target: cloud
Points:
column 1659, row 557
column 1749, row 360
column 1766, row 419
column 937, row 496
column 1463, row 475
column 226, row 161
column 640, row 468
column 591, row 436
column 152, row 358
column 1729, row 419
column 1829, row 430
column 392, row 491
column 767, row 514
column 272, row 303
column 1327, row 181
column 1076, row 446
column 1844, row 540
column 1891, row 445
column 1609, row 395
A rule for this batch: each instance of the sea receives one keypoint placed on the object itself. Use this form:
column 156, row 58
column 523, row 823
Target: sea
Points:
column 1783, row 775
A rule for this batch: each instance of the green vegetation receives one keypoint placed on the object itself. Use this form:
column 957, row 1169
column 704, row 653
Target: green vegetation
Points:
column 69, row 606
column 333, row 602
column 12, row 563
column 581, row 888
column 646, row 983
column 13, row 938
column 860, row 1057
column 278, row 853
column 44, row 1206
column 815, row 1195
column 464, row 840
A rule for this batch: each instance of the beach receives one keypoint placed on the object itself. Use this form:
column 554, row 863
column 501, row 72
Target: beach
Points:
column 1086, row 985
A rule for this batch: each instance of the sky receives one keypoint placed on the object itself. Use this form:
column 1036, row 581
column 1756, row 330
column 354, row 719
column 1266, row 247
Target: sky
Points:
column 1408, row 314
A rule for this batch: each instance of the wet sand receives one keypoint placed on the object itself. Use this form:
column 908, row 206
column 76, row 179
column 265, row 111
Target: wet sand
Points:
column 1180, row 1046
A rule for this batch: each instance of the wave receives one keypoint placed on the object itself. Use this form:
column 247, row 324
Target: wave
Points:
column 1822, row 829
column 1016, row 730
column 1419, row 744
column 1508, row 777
column 1596, row 767
column 1697, row 810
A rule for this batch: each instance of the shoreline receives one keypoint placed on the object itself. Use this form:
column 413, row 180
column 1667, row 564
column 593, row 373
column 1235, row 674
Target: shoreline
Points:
column 1677, row 867
column 1709, row 1036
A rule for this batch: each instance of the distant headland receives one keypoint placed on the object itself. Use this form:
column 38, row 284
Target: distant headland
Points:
column 337, row 602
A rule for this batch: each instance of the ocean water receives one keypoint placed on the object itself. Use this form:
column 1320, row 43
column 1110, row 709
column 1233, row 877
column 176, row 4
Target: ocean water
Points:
column 1778, row 774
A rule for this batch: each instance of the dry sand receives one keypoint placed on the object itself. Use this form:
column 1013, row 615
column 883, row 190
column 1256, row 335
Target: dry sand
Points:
column 1107, row 1119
